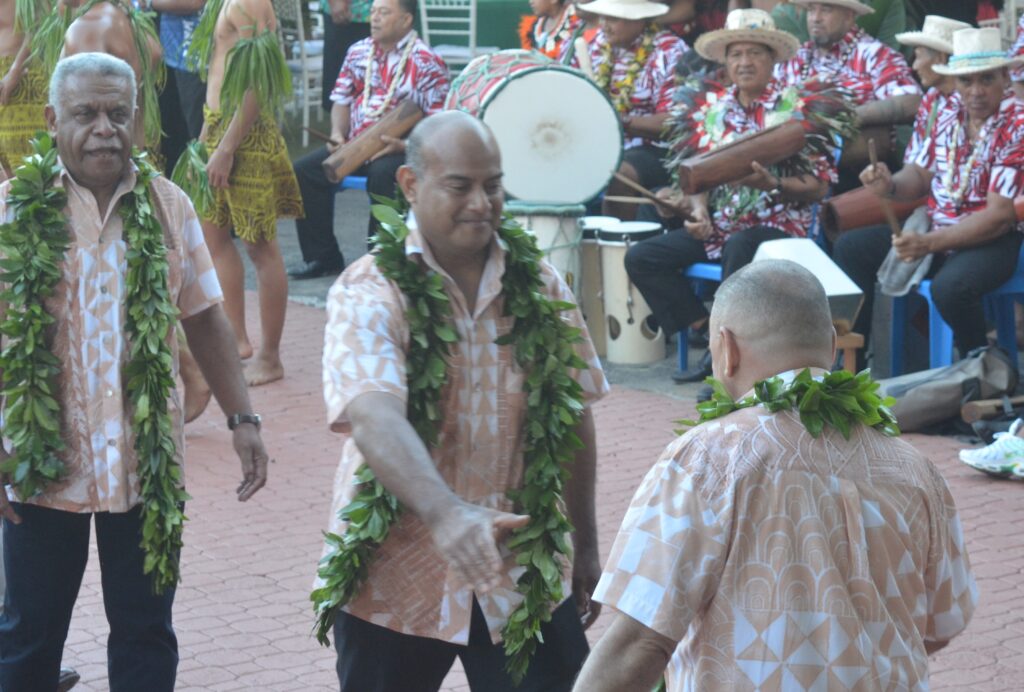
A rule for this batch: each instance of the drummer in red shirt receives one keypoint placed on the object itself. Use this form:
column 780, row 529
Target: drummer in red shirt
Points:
column 633, row 60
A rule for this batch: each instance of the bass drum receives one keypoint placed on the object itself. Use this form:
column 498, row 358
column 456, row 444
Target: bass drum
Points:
column 559, row 135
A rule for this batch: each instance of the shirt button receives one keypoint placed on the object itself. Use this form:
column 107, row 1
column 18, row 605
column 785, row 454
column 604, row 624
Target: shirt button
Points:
column 103, row 290
column 111, row 443
column 110, row 392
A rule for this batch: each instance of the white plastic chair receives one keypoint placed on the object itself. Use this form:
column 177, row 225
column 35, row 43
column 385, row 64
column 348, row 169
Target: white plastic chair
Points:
column 452, row 20
column 305, row 67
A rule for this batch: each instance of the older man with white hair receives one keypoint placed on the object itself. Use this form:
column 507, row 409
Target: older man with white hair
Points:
column 109, row 255
column 788, row 542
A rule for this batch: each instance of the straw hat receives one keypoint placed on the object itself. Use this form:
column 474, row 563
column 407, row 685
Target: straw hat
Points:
column 974, row 51
column 626, row 9
column 753, row 26
column 937, row 34
column 858, row 7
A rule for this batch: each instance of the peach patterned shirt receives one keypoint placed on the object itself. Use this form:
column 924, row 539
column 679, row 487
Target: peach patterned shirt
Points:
column 89, row 305
column 783, row 562
column 410, row 588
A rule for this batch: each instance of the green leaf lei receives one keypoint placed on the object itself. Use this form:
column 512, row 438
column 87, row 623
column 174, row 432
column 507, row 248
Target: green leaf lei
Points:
column 33, row 247
column 840, row 400
column 190, row 175
column 543, row 347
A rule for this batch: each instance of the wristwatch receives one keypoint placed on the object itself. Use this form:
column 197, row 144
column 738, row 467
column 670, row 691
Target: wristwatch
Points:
column 239, row 418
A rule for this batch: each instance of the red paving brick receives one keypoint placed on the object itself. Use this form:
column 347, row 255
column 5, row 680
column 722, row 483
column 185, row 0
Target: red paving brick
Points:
column 242, row 614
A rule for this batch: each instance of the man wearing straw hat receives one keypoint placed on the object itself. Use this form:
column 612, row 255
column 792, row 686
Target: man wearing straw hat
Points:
column 633, row 60
column 932, row 45
column 841, row 53
column 971, row 167
column 729, row 222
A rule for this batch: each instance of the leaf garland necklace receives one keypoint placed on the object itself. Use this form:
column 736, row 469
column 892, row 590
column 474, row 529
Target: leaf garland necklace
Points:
column 543, row 348
column 838, row 399
column 621, row 92
column 34, row 245
column 396, row 79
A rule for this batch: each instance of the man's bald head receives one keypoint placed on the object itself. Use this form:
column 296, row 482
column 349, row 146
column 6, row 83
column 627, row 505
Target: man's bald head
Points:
column 777, row 310
column 437, row 135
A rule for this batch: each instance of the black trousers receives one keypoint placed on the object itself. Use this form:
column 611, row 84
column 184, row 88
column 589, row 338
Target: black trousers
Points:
column 655, row 267
column 375, row 659
column 338, row 38
column 959, row 280
column 316, row 230
column 44, row 560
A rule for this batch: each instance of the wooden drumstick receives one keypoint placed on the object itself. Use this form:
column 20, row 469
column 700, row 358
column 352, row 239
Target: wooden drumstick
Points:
column 583, row 56
column 645, row 193
column 320, row 135
column 628, row 200
column 890, row 215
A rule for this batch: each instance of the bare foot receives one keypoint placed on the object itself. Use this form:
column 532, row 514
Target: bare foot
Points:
column 263, row 370
column 197, row 392
column 245, row 350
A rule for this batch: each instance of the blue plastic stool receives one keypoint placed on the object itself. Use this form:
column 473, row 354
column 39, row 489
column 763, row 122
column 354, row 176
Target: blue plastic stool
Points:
column 699, row 273
column 353, row 182
column 998, row 303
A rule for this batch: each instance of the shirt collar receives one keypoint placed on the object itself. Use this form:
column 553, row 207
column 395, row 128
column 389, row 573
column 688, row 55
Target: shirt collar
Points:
column 399, row 47
column 836, row 50
column 771, row 91
column 787, row 377
column 126, row 185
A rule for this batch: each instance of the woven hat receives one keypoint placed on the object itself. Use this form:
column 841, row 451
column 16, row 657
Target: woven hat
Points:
column 974, row 51
column 625, row 9
column 937, row 34
column 743, row 26
column 858, row 7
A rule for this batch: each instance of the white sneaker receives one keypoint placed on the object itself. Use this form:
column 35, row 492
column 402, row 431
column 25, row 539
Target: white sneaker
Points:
column 1004, row 457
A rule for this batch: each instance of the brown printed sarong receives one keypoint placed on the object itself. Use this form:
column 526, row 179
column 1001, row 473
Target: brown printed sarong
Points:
column 22, row 117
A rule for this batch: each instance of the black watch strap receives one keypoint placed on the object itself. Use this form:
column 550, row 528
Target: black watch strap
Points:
column 239, row 418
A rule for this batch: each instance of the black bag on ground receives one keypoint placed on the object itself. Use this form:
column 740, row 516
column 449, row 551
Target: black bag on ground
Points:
column 929, row 397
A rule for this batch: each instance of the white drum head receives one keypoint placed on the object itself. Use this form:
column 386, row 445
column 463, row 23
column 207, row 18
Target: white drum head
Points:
column 559, row 136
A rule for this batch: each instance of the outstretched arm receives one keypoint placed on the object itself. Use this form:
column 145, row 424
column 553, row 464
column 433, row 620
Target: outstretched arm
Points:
column 629, row 657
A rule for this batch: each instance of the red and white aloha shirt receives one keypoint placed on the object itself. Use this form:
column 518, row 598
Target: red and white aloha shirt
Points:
column 424, row 81
column 736, row 207
column 867, row 67
column 654, row 83
column 1017, row 51
column 932, row 105
column 998, row 166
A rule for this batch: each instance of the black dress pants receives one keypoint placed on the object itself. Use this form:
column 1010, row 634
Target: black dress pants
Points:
column 375, row 659
column 655, row 267
column 316, row 230
column 959, row 280
column 44, row 560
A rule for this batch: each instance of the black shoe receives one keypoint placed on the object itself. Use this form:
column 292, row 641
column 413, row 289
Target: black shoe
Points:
column 316, row 269
column 68, row 679
column 705, row 393
column 695, row 374
column 698, row 338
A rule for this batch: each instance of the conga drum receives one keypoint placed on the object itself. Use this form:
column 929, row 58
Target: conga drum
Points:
column 559, row 135
column 590, row 296
column 558, row 234
column 630, row 338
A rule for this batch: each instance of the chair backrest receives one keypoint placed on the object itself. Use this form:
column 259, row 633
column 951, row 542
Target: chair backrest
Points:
column 449, row 21
column 290, row 29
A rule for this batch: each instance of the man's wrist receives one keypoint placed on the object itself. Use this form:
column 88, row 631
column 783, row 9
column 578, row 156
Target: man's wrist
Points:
column 237, row 419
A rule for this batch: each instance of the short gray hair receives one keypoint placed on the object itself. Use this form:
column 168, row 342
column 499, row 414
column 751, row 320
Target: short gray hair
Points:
column 102, row 64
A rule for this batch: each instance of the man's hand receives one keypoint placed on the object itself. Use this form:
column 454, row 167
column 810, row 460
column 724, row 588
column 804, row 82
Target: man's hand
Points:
column 337, row 139
column 911, row 246
column 394, row 146
column 673, row 203
column 7, row 86
column 878, row 179
column 700, row 228
column 586, row 571
column 249, row 447
column 467, row 536
column 760, row 179
column 341, row 11
column 218, row 168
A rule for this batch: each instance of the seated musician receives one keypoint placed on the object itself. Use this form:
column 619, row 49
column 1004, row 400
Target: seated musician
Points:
column 392, row 66
column 729, row 222
column 552, row 24
column 878, row 78
column 633, row 61
column 971, row 167
column 932, row 46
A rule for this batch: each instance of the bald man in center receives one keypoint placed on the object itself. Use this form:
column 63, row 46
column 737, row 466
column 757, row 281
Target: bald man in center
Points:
column 443, row 584
column 755, row 556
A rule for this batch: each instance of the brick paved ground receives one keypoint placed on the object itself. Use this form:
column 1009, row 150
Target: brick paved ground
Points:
column 242, row 614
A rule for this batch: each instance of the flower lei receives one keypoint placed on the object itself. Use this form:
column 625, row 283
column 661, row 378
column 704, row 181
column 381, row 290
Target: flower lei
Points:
column 543, row 347
column 957, row 193
column 33, row 247
column 839, row 399
column 396, row 79
column 533, row 35
column 622, row 91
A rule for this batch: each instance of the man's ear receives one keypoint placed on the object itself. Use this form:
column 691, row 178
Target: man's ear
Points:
column 406, row 177
column 731, row 352
column 50, row 114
